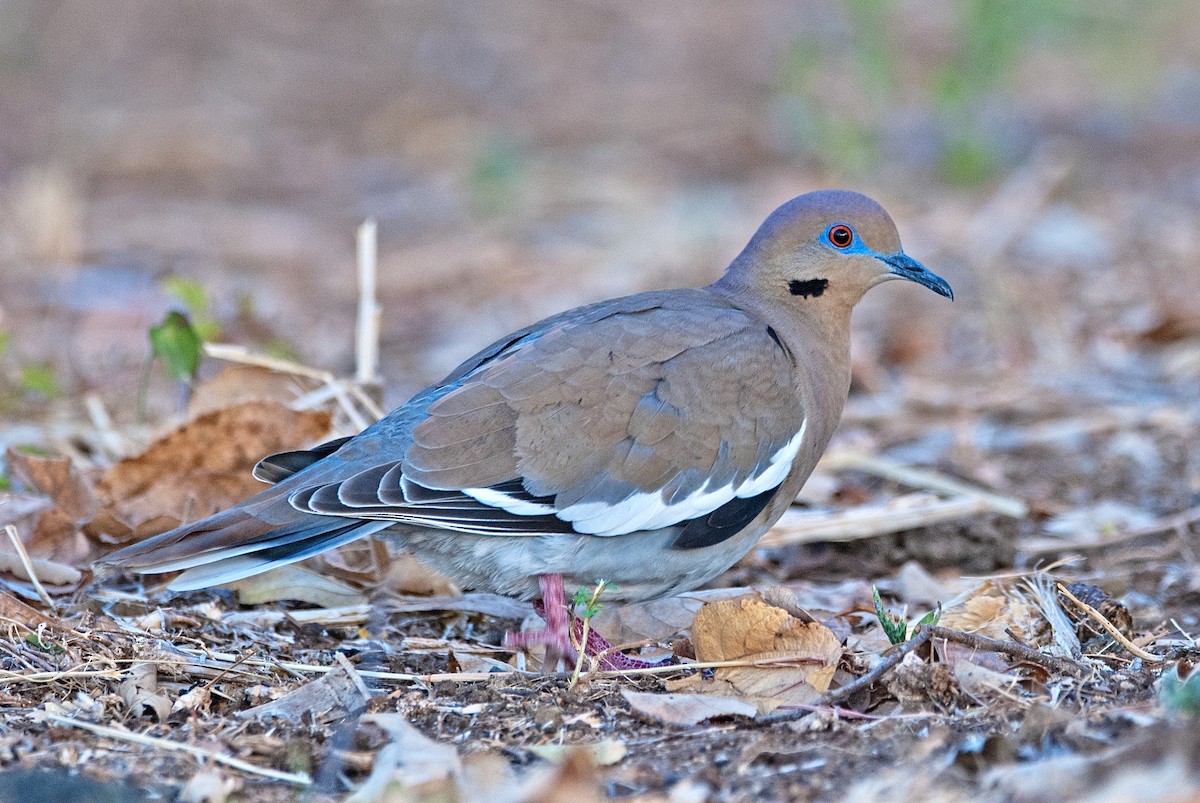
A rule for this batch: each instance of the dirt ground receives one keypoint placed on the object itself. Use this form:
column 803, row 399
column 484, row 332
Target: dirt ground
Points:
column 523, row 157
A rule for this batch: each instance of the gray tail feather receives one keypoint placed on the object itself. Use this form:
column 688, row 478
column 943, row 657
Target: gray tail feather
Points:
column 227, row 565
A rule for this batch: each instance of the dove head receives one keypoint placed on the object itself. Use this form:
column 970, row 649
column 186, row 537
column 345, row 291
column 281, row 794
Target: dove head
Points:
column 826, row 249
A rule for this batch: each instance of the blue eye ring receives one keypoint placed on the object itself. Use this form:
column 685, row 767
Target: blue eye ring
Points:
column 840, row 236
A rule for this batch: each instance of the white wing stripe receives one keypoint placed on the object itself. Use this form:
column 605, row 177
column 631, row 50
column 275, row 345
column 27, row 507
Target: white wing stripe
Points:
column 648, row 511
column 518, row 507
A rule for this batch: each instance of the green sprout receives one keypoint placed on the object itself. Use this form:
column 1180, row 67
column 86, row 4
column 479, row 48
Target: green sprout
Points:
column 589, row 601
column 196, row 302
column 39, row 378
column 895, row 627
column 176, row 342
column 1180, row 695
column 36, row 641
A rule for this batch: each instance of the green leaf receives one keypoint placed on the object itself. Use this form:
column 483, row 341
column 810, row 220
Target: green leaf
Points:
column 933, row 617
column 5, row 342
column 176, row 342
column 894, row 627
column 190, row 293
column 196, row 302
column 39, row 378
column 1181, row 697
column 34, row 640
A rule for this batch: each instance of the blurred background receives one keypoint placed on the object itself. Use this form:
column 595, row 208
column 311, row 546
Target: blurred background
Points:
column 525, row 156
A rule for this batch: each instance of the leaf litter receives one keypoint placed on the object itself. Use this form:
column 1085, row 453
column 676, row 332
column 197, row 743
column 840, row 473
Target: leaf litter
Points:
column 346, row 667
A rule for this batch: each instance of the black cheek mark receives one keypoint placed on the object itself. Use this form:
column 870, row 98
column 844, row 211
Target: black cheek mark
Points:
column 807, row 287
column 775, row 336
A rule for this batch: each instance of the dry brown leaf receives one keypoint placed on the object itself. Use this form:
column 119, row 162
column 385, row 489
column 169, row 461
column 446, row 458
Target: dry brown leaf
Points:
column 296, row 583
column 58, row 479
column 407, row 575
column 235, row 384
column 993, row 610
column 686, row 709
column 13, row 610
column 749, row 629
column 657, row 619
column 198, row 469
column 57, row 534
column 58, row 578
column 20, row 509
column 139, row 690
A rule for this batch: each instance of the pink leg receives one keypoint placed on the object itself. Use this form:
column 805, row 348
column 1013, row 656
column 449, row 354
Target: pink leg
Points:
column 560, row 627
column 556, row 636
column 598, row 645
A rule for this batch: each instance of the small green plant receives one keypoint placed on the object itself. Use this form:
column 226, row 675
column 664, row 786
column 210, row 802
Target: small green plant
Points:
column 36, row 641
column 1180, row 695
column 196, row 302
column 895, row 627
column 176, row 342
column 38, row 378
column 586, row 604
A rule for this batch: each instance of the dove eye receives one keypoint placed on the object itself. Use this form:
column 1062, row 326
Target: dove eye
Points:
column 841, row 236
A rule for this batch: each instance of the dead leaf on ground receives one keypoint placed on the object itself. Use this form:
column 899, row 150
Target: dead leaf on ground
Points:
column 20, row 509
column 13, row 610
column 994, row 610
column 329, row 697
column 57, row 535
column 139, row 691
column 751, row 630
column 235, row 384
column 198, row 469
column 657, row 619
column 55, row 577
column 686, row 709
column 299, row 584
column 407, row 575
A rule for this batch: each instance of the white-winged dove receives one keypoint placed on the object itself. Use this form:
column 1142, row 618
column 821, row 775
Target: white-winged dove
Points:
column 648, row 441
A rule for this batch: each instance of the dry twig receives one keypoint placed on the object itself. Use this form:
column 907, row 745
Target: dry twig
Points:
column 1117, row 635
column 366, row 341
column 1010, row 648
column 886, row 665
column 30, row 574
